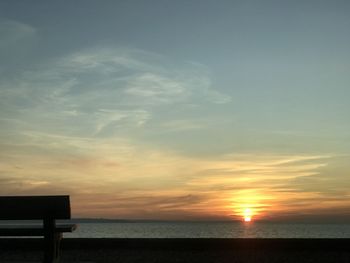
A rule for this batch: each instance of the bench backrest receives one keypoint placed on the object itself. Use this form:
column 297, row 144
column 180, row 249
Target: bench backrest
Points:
column 34, row 207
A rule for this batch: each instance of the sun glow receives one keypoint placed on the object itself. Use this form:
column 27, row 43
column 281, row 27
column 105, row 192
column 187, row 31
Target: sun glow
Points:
column 247, row 213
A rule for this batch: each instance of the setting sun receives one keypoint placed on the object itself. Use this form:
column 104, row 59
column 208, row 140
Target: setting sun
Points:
column 247, row 215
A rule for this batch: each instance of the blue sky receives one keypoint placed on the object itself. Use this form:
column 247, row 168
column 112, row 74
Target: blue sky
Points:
column 175, row 107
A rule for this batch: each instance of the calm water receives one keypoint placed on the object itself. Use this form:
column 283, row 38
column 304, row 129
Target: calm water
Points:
column 211, row 230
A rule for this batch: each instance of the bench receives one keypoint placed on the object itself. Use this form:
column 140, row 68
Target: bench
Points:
column 45, row 208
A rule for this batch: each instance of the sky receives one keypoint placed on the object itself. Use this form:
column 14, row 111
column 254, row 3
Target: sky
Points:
column 178, row 110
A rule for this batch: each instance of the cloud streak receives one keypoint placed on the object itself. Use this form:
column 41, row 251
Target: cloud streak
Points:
column 88, row 124
column 12, row 32
column 118, row 178
column 102, row 90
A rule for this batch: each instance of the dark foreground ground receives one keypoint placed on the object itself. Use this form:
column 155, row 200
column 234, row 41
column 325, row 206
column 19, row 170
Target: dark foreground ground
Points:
column 182, row 250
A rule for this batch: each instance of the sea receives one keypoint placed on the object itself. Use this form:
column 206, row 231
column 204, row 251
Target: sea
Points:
column 209, row 230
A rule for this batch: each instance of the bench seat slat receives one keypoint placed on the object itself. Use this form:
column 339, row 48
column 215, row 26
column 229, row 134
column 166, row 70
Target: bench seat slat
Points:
column 32, row 230
column 47, row 209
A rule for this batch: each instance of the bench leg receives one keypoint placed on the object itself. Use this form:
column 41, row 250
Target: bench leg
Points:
column 52, row 247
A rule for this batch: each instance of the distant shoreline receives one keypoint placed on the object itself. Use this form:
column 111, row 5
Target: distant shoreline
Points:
column 107, row 220
column 111, row 220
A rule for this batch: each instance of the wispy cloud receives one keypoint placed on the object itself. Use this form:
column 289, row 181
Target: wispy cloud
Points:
column 118, row 178
column 182, row 125
column 80, row 120
column 159, row 88
column 13, row 31
column 101, row 89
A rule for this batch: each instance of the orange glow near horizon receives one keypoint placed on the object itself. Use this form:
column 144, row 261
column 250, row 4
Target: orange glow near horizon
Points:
column 247, row 215
column 250, row 204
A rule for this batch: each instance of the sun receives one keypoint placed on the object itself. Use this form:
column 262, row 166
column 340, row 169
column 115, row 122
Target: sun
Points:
column 247, row 214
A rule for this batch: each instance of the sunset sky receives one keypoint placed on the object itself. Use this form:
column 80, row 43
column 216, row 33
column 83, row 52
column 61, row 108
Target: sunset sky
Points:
column 178, row 110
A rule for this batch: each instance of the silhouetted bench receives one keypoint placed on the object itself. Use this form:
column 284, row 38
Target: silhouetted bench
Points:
column 45, row 208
